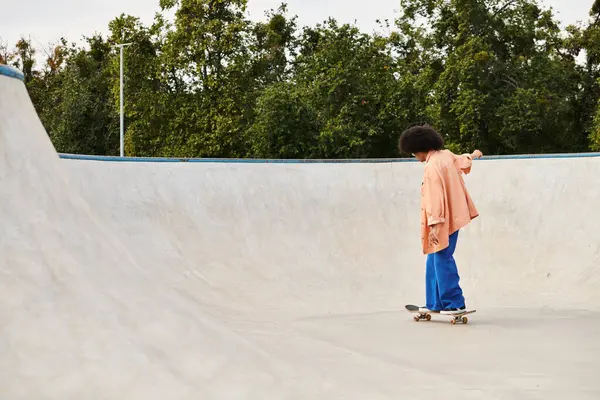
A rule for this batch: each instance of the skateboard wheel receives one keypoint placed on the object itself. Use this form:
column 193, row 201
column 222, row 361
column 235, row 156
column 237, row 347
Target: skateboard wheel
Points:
column 416, row 318
column 465, row 320
column 428, row 317
column 453, row 322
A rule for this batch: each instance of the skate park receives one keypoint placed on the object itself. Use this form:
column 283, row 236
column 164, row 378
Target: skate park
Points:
column 252, row 279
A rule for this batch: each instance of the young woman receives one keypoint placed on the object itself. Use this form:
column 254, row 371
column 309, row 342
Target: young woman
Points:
column 446, row 207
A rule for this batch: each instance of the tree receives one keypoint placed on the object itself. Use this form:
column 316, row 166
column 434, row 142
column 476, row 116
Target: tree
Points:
column 25, row 59
column 344, row 79
column 73, row 99
column 208, row 50
column 152, row 93
column 286, row 125
column 273, row 47
column 595, row 134
column 6, row 56
column 499, row 74
column 589, row 40
column 494, row 74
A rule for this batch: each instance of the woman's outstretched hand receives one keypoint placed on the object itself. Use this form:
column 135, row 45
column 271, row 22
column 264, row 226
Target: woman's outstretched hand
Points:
column 477, row 154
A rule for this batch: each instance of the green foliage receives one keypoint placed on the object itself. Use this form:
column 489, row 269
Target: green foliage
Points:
column 207, row 49
column 74, row 103
column 272, row 45
column 595, row 135
column 148, row 96
column 286, row 126
column 504, row 85
column 587, row 38
column 347, row 77
column 499, row 75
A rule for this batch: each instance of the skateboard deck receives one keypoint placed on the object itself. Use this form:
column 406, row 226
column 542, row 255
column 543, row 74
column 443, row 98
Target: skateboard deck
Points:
column 460, row 317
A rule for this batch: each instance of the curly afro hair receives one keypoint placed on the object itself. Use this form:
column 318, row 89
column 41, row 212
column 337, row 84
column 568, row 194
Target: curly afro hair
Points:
column 420, row 138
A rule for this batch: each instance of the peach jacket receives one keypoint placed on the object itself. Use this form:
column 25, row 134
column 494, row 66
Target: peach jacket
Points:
column 444, row 197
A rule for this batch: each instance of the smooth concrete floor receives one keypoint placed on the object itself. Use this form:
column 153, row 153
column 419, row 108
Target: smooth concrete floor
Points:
column 215, row 280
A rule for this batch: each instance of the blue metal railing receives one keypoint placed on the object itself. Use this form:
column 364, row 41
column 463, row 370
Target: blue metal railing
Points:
column 11, row 72
column 304, row 161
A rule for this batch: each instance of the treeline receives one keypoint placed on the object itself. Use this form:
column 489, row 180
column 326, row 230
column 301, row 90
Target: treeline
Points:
column 499, row 75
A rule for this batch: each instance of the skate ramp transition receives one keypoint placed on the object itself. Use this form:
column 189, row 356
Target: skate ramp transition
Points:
column 216, row 279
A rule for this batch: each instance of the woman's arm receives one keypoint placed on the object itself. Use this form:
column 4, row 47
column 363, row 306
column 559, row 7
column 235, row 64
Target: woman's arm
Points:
column 464, row 162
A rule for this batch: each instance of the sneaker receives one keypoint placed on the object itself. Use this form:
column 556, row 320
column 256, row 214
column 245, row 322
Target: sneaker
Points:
column 453, row 311
column 427, row 310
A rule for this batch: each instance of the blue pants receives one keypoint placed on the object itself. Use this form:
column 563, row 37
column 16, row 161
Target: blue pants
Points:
column 442, row 281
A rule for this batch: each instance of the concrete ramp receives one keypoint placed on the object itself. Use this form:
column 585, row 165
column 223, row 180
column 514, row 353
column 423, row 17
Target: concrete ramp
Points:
column 249, row 280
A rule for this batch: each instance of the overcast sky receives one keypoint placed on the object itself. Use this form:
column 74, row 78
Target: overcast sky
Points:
column 45, row 21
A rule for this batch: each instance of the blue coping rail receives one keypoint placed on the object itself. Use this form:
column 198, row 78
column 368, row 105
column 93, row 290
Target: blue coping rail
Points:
column 303, row 161
column 11, row 72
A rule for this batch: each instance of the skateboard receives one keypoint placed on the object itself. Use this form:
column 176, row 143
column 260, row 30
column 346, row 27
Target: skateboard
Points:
column 427, row 315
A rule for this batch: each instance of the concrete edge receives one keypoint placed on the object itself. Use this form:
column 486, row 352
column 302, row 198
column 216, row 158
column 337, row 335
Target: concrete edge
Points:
column 11, row 72
column 300, row 161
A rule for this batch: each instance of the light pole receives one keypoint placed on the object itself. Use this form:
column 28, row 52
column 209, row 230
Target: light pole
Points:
column 121, row 46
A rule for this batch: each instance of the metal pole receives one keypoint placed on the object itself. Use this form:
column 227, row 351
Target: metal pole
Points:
column 121, row 99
